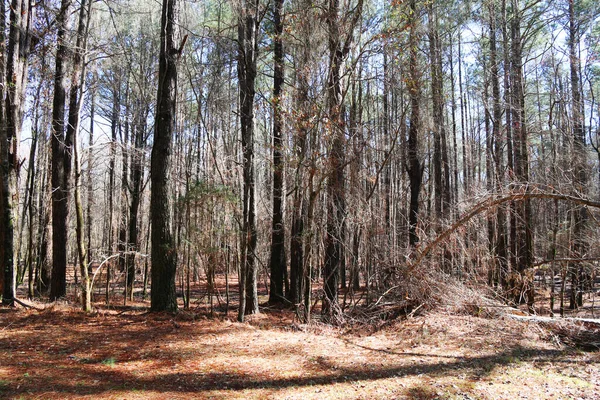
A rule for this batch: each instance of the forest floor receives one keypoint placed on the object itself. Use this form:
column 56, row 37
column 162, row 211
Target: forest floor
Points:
column 123, row 352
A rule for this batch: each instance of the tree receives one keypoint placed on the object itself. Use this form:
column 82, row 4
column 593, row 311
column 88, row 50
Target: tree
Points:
column 523, row 239
column 414, row 168
column 61, row 160
column 75, row 102
column 10, row 129
column 164, row 253
column 248, row 23
column 277, row 261
column 580, row 159
column 339, row 47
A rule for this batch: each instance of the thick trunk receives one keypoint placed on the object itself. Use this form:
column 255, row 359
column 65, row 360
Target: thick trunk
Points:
column 278, row 261
column 164, row 254
column 61, row 161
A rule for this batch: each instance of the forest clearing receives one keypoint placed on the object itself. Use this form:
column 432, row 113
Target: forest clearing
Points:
column 124, row 352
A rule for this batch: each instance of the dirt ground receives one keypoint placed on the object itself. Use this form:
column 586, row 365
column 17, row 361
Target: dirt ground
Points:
column 127, row 353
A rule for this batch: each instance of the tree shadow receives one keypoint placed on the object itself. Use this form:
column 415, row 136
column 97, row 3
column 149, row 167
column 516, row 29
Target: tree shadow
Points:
column 108, row 379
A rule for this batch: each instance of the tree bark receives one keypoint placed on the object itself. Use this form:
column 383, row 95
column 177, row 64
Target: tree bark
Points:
column 524, row 236
column 164, row 253
column 61, row 161
column 339, row 46
column 16, row 78
column 414, row 167
column 75, row 102
column 278, row 260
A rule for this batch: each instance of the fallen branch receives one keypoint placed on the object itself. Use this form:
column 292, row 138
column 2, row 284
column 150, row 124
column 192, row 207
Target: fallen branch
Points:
column 27, row 305
column 526, row 193
column 583, row 333
column 550, row 320
column 107, row 259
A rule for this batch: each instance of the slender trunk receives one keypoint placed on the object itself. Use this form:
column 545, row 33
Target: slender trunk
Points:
column 122, row 244
column 580, row 162
column 75, row 102
column 247, row 56
column 336, row 196
column 463, row 119
column 16, row 78
column 298, row 275
column 5, row 230
column 414, row 88
column 438, row 113
column 501, row 255
column 136, row 194
column 114, row 126
column 90, row 185
column 524, row 236
column 454, row 144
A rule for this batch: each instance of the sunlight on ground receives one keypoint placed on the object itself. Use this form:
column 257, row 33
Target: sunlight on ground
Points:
column 57, row 355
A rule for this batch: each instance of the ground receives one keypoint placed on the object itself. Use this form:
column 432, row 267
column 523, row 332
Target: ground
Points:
column 127, row 353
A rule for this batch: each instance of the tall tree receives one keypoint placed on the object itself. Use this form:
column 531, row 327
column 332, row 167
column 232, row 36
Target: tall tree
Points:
column 164, row 252
column 278, row 261
column 10, row 129
column 339, row 47
column 498, row 140
column 524, row 233
column 75, row 103
column 580, row 158
column 61, row 159
column 441, row 170
column 247, row 55
column 414, row 168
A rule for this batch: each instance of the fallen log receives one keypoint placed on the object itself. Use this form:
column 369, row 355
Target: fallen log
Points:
column 583, row 333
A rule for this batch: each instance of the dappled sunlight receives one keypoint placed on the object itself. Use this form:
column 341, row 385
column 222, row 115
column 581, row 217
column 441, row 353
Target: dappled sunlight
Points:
column 64, row 355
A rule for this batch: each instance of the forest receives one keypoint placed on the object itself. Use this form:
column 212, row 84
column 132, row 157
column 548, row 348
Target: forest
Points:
column 329, row 168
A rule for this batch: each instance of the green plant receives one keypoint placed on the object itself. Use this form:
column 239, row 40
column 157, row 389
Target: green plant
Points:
column 109, row 362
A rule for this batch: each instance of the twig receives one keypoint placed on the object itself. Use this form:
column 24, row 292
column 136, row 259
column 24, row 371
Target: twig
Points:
column 412, row 313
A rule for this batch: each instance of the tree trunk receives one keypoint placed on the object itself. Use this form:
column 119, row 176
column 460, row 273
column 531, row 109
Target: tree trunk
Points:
column 440, row 188
column 75, row 102
column 247, row 53
column 414, row 167
column 61, row 161
column 164, row 252
column 500, row 250
column 278, row 260
column 16, row 78
column 580, row 163
column 524, row 238
column 136, row 194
